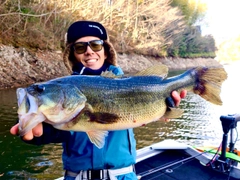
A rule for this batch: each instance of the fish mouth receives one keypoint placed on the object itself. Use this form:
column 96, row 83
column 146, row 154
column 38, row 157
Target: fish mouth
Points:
column 35, row 107
column 28, row 113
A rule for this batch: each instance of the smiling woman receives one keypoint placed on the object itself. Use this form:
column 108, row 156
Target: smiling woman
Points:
column 80, row 157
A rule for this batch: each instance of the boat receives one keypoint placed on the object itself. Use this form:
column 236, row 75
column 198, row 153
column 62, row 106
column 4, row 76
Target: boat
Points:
column 172, row 160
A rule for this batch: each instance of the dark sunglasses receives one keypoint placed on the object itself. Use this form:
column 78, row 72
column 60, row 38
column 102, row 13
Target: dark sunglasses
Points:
column 81, row 47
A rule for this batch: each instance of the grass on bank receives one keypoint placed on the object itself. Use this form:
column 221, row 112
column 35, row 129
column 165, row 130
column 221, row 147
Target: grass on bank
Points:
column 147, row 27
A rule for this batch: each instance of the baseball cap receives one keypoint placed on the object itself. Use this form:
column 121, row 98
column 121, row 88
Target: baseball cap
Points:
column 81, row 29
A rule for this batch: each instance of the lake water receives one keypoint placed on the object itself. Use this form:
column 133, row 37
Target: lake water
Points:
column 199, row 125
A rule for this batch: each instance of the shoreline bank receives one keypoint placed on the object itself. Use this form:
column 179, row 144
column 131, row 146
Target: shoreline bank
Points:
column 20, row 67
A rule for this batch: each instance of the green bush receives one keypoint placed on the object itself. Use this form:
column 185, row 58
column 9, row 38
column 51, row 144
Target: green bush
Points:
column 191, row 43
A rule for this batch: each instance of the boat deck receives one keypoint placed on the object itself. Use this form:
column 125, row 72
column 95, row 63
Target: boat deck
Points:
column 172, row 165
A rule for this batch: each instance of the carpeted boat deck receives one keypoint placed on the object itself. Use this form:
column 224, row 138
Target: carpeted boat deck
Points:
column 172, row 165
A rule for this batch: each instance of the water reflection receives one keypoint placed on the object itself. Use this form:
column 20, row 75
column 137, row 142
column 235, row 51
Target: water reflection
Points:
column 19, row 160
column 199, row 125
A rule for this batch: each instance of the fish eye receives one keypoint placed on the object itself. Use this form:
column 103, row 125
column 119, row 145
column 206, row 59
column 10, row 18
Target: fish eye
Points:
column 40, row 88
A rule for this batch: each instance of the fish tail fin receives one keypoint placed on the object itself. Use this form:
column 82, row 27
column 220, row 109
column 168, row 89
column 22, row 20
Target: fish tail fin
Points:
column 209, row 81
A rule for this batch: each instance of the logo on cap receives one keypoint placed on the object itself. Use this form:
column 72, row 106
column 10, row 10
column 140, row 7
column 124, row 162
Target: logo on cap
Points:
column 97, row 28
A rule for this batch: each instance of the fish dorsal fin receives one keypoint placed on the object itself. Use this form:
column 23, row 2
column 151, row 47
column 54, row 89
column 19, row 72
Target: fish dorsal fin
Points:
column 156, row 70
column 97, row 137
column 109, row 74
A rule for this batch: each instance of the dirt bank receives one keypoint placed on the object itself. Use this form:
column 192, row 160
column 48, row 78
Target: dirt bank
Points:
column 19, row 67
column 134, row 63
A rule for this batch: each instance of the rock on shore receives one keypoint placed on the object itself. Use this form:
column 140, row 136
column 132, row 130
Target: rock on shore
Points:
column 19, row 67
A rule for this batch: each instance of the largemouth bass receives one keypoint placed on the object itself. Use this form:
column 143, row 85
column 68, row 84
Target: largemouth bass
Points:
column 98, row 104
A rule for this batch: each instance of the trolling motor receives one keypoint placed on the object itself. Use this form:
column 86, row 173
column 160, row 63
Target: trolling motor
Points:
column 223, row 163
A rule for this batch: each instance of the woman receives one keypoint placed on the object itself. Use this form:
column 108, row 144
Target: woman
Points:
column 89, row 52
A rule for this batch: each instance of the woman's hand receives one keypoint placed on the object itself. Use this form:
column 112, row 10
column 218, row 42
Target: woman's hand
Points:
column 177, row 97
column 36, row 131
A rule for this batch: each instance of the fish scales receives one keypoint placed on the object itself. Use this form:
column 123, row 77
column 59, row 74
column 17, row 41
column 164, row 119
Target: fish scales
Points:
column 123, row 96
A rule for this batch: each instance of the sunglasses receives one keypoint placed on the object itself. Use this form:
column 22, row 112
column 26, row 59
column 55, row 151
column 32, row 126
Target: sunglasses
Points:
column 81, row 47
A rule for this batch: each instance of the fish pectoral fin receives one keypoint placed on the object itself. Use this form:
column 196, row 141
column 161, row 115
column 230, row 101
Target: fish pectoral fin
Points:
column 97, row 137
column 103, row 118
column 99, row 117
column 172, row 113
